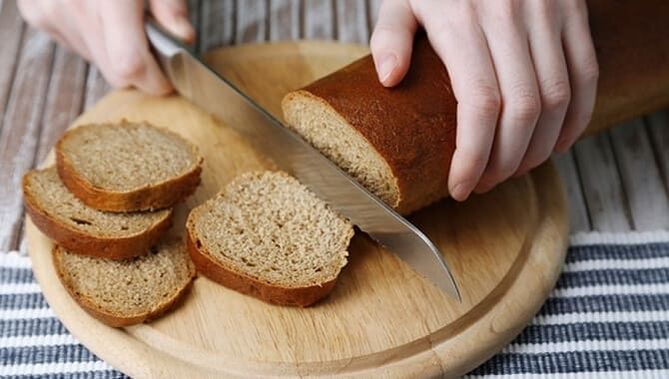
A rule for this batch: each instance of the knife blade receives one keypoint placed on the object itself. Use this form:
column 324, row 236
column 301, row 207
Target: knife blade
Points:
column 200, row 84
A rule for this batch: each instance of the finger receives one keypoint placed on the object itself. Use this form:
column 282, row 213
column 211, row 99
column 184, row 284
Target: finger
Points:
column 173, row 15
column 583, row 75
column 460, row 44
column 521, row 105
column 41, row 15
column 392, row 41
column 88, row 25
column 72, row 42
column 553, row 79
column 127, row 47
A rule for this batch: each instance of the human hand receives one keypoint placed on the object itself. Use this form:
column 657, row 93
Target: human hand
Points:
column 524, row 74
column 111, row 34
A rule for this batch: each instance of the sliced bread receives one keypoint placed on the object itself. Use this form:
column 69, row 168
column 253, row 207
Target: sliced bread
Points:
column 84, row 230
column 128, row 167
column 130, row 291
column 268, row 236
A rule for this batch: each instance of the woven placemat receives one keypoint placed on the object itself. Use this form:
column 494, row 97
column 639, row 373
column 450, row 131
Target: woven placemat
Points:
column 607, row 317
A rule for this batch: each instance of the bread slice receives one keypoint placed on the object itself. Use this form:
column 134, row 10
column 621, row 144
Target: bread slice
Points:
column 129, row 291
column 84, row 230
column 128, row 167
column 268, row 236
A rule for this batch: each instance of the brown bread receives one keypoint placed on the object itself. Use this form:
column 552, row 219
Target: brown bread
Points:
column 128, row 167
column 129, row 291
column 268, row 236
column 84, row 230
column 399, row 142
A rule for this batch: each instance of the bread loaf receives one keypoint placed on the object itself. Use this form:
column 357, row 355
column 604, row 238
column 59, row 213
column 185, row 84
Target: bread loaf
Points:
column 127, row 167
column 399, row 142
column 268, row 236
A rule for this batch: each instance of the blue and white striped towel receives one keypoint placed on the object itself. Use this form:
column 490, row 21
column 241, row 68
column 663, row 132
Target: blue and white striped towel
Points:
column 608, row 317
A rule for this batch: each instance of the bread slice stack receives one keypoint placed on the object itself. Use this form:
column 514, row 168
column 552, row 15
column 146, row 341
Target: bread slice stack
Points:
column 107, row 205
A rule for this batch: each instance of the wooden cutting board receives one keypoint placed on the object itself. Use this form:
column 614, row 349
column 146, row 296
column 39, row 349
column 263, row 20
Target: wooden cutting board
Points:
column 505, row 249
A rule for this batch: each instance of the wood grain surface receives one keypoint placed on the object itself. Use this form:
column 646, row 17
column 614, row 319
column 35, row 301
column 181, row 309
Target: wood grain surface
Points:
column 382, row 320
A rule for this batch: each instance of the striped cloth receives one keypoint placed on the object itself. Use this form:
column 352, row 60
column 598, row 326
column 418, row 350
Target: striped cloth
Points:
column 608, row 317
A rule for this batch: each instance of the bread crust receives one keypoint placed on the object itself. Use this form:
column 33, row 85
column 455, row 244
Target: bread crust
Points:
column 240, row 282
column 151, row 197
column 412, row 126
column 118, row 320
column 82, row 243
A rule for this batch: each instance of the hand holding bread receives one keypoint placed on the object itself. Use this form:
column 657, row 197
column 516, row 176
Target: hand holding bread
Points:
column 524, row 74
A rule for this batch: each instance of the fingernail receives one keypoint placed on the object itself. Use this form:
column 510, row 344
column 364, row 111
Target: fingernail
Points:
column 386, row 66
column 460, row 191
column 183, row 29
column 561, row 146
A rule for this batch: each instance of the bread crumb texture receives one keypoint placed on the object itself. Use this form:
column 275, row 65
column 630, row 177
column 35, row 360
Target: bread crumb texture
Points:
column 53, row 198
column 127, row 156
column 128, row 287
column 268, row 226
column 330, row 133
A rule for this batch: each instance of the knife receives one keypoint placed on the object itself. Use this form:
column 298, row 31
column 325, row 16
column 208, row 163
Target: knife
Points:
column 200, row 84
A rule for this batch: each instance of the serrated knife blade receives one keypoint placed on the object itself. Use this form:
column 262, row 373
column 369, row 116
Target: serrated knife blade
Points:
column 197, row 82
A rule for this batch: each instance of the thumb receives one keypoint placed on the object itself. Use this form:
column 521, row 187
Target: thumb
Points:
column 392, row 41
column 173, row 16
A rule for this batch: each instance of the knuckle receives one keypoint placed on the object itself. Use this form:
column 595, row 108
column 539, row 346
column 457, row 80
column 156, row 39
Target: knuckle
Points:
column 129, row 65
column 575, row 5
column 462, row 19
column 545, row 9
column 500, row 9
column 466, row 12
column 556, row 94
column 486, row 99
column 589, row 70
column 442, row 27
column 509, row 8
column 524, row 108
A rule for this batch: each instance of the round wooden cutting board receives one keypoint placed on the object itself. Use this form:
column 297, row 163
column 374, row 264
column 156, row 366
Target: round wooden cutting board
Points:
column 382, row 320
